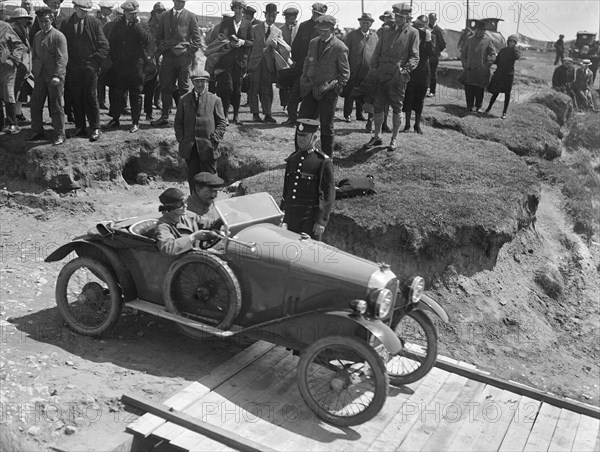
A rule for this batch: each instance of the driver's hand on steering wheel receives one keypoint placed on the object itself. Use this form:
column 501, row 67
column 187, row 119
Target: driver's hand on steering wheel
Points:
column 204, row 235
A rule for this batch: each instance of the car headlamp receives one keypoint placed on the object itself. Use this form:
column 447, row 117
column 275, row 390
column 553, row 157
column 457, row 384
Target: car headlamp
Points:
column 359, row 306
column 383, row 303
column 417, row 286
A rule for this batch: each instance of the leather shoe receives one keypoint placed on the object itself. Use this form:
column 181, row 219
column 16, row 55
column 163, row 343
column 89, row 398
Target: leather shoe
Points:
column 270, row 119
column 386, row 129
column 289, row 122
column 256, row 118
column 369, row 126
column 149, row 117
column 418, row 129
column 37, row 137
column 134, row 128
column 375, row 141
column 237, row 121
column 360, row 118
column 21, row 117
column 13, row 129
column 347, row 119
column 162, row 121
column 112, row 124
column 95, row 135
column 393, row 144
column 406, row 128
column 70, row 118
column 59, row 140
column 125, row 111
column 79, row 132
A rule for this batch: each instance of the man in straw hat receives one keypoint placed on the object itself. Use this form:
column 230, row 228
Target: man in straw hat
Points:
column 199, row 127
column 21, row 22
column 11, row 50
column 361, row 44
column 262, row 72
column 326, row 71
column 306, row 31
column 395, row 57
column 584, row 81
column 49, row 62
column 308, row 186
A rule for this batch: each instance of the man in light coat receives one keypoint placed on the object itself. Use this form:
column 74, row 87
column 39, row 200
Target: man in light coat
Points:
column 11, row 51
column 199, row 127
column 477, row 56
column 262, row 72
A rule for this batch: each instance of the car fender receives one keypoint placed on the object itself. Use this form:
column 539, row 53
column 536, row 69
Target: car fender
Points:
column 429, row 304
column 376, row 327
column 89, row 248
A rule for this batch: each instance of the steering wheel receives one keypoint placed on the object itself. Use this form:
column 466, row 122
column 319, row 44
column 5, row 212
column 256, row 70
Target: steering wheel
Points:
column 216, row 226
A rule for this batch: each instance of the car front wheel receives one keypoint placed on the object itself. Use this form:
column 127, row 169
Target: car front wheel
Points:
column 342, row 380
column 88, row 296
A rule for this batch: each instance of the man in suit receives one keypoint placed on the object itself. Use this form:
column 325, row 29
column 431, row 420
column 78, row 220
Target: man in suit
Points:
column 288, row 30
column 178, row 39
column 199, row 127
column 21, row 23
column 105, row 12
column 104, row 15
column 361, row 45
column 127, row 43
column 49, row 61
column 88, row 47
column 325, row 72
column 262, row 72
column 439, row 44
column 249, row 13
column 230, row 69
column 306, row 32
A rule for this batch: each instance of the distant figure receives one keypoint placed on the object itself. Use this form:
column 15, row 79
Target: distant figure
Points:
column 439, row 44
column 477, row 56
column 583, row 86
column 289, row 30
column 594, row 56
column 416, row 89
column 21, row 22
column 388, row 21
column 308, row 186
column 503, row 78
column 105, row 12
column 564, row 78
column 361, row 44
column 559, row 47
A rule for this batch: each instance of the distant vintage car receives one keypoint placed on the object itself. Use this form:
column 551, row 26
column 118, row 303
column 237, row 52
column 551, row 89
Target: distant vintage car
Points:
column 582, row 44
column 354, row 325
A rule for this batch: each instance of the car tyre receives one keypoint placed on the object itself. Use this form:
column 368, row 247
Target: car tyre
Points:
column 418, row 334
column 98, row 290
column 205, row 283
column 336, row 363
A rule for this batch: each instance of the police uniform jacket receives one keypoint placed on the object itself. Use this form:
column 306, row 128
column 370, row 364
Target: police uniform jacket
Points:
column 309, row 182
column 172, row 237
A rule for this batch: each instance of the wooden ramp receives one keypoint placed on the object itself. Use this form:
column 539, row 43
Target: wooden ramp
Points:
column 254, row 397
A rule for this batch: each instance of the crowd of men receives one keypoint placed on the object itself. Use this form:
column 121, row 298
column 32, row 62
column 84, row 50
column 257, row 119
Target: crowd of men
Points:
column 68, row 61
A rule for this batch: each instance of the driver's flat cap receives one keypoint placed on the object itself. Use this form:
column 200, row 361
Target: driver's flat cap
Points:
column 208, row 179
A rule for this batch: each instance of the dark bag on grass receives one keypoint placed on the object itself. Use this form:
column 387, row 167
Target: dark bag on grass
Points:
column 355, row 186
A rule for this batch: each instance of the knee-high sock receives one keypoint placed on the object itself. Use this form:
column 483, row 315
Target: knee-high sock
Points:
column 378, row 119
column 396, row 121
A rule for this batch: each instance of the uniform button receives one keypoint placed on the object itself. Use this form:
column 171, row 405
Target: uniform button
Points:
column 301, row 158
column 299, row 164
column 293, row 197
column 294, row 190
column 295, row 183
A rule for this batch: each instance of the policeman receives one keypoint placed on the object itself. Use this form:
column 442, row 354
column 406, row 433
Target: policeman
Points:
column 308, row 188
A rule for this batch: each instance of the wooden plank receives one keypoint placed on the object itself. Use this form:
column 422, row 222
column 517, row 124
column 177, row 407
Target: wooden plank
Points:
column 521, row 425
column 433, row 413
column 167, row 429
column 587, row 437
column 147, row 423
column 190, row 423
column 543, row 429
column 456, row 415
column 394, row 432
column 566, row 429
column 256, row 410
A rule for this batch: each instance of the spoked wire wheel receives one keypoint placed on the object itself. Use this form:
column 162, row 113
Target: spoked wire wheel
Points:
column 202, row 287
column 342, row 380
column 88, row 296
column 418, row 335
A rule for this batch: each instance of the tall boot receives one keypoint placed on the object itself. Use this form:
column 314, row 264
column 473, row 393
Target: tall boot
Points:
column 226, row 99
column 406, row 122
column 236, row 100
column 418, row 123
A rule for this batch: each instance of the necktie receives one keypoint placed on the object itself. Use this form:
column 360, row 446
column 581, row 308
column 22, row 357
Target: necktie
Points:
column 268, row 31
column 80, row 28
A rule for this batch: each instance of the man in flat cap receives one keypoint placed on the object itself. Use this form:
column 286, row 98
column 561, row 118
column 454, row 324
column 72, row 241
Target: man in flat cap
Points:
column 325, row 72
column 178, row 39
column 202, row 200
column 439, row 44
column 11, row 51
column 288, row 30
column 105, row 12
column 127, row 52
column 395, row 57
column 178, row 229
column 477, row 56
column 199, row 127
column 60, row 17
column 249, row 15
column 559, row 47
column 49, row 63
column 262, row 72
column 88, row 47
column 563, row 79
column 231, row 67
column 308, row 186
column 306, row 31
column 361, row 44
column 151, row 87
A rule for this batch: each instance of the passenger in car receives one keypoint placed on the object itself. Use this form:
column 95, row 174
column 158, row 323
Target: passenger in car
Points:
column 178, row 229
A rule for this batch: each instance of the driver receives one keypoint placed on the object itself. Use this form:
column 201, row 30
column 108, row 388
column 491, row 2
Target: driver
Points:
column 178, row 229
column 202, row 200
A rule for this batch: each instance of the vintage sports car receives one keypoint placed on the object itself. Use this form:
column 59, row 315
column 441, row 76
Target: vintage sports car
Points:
column 352, row 322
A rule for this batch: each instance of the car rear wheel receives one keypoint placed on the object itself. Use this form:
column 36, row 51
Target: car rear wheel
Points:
column 88, row 296
column 202, row 287
column 342, row 380
column 419, row 337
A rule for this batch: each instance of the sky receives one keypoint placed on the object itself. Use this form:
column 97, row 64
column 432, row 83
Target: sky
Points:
column 541, row 19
